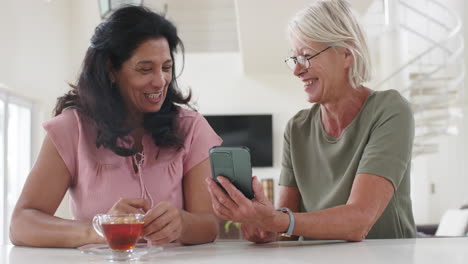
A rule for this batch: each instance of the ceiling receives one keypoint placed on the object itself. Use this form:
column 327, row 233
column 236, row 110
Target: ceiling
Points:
column 255, row 28
column 203, row 25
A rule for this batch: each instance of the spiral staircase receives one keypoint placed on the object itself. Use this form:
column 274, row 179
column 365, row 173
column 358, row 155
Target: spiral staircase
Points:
column 432, row 73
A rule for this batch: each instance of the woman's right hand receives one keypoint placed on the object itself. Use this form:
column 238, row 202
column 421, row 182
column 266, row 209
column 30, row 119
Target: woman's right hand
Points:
column 233, row 205
column 257, row 235
column 130, row 206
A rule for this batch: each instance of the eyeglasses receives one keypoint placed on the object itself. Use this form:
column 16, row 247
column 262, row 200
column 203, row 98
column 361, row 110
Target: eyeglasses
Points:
column 303, row 61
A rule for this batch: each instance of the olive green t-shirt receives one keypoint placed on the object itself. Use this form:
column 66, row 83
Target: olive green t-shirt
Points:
column 378, row 141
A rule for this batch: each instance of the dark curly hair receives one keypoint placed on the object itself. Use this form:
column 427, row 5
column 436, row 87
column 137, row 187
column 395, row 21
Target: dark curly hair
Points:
column 97, row 99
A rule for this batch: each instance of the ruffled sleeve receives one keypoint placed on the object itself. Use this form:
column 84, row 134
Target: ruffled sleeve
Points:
column 64, row 131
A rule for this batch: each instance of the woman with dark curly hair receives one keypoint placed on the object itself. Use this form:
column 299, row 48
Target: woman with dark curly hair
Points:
column 123, row 141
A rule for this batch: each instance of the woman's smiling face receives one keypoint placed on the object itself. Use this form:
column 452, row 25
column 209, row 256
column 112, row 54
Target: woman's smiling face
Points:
column 327, row 73
column 144, row 78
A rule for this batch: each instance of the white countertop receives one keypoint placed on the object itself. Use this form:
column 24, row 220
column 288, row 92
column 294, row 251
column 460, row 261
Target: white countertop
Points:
column 421, row 250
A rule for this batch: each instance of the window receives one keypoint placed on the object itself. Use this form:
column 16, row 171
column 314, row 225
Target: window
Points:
column 15, row 153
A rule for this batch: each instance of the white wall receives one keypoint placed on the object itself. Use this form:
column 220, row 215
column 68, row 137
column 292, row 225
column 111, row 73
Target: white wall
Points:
column 84, row 18
column 35, row 40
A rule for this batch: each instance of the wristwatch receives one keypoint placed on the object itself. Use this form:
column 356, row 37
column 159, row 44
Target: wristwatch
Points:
column 291, row 221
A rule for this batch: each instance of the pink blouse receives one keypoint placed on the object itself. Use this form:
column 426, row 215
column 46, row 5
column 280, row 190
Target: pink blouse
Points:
column 100, row 177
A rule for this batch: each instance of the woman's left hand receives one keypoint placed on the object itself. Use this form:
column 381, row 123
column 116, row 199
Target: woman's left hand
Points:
column 234, row 206
column 163, row 224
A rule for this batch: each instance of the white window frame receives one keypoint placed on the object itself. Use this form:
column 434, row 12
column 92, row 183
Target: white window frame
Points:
column 3, row 98
column 9, row 98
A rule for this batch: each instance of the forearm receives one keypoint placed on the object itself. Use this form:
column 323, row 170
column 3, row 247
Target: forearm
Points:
column 31, row 227
column 346, row 222
column 198, row 228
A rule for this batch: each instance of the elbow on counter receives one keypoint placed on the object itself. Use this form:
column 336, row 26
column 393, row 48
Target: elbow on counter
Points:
column 20, row 232
column 14, row 236
column 358, row 237
column 362, row 224
column 213, row 237
column 359, row 234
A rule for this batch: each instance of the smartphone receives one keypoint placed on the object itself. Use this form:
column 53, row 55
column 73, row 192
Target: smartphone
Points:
column 234, row 164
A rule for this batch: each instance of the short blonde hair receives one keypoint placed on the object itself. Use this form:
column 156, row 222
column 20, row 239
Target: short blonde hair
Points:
column 333, row 22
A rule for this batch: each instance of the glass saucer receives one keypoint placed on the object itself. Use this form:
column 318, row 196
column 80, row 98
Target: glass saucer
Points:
column 140, row 251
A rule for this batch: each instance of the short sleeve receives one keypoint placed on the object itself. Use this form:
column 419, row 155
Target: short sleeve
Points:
column 200, row 137
column 63, row 130
column 388, row 151
column 287, row 177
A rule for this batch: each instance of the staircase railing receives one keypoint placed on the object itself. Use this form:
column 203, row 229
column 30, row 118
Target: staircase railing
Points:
column 434, row 97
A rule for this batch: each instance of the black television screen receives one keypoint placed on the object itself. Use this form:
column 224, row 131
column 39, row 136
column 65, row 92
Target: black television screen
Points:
column 252, row 131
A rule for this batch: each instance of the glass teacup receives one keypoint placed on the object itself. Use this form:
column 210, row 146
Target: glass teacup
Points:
column 121, row 233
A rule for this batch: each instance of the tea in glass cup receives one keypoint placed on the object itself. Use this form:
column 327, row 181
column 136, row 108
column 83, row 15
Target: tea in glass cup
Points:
column 120, row 231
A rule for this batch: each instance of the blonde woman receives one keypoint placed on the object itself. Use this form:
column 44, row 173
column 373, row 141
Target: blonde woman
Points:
column 346, row 160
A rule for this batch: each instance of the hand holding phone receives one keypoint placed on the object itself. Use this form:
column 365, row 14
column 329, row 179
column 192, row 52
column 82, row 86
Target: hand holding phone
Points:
column 234, row 164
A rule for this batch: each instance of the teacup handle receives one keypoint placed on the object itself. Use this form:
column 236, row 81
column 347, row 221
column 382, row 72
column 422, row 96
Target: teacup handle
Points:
column 97, row 225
